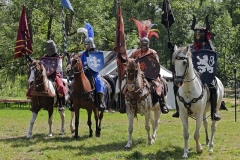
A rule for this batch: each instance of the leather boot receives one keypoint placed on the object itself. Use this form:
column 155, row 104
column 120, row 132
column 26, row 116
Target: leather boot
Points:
column 214, row 115
column 70, row 105
column 61, row 104
column 163, row 106
column 101, row 100
column 176, row 114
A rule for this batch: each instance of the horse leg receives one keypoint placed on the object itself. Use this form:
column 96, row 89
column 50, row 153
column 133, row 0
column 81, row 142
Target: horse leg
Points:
column 71, row 122
column 199, row 120
column 34, row 116
column 147, row 127
column 155, row 121
column 98, row 129
column 50, row 115
column 130, row 129
column 62, row 115
column 205, row 124
column 89, row 122
column 76, row 122
column 184, row 119
column 213, row 130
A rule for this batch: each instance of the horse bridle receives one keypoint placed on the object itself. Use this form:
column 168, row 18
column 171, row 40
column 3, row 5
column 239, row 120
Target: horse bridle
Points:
column 37, row 69
column 194, row 100
column 186, row 70
column 72, row 67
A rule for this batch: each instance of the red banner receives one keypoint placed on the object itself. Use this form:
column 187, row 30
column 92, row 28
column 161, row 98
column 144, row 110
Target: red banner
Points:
column 120, row 46
column 23, row 42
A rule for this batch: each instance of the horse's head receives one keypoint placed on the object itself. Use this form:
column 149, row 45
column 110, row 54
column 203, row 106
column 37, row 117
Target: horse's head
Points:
column 69, row 66
column 37, row 71
column 75, row 64
column 181, row 60
column 133, row 73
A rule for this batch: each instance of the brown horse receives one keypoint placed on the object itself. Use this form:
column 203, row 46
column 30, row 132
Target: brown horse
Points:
column 42, row 96
column 83, row 96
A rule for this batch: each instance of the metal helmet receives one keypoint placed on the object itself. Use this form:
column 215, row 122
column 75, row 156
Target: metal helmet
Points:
column 200, row 33
column 89, row 43
column 51, row 47
column 144, row 42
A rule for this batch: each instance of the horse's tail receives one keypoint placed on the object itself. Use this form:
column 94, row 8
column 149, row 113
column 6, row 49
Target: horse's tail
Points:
column 112, row 83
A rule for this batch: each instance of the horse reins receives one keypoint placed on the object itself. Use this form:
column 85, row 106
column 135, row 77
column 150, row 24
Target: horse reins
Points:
column 77, row 59
column 194, row 100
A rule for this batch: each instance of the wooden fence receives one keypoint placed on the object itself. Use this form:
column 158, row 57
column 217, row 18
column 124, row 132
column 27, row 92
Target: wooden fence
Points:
column 20, row 103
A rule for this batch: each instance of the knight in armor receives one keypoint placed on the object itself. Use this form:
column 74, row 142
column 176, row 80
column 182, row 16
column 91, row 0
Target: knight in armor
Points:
column 202, row 41
column 56, row 76
column 90, row 47
column 144, row 49
column 56, row 72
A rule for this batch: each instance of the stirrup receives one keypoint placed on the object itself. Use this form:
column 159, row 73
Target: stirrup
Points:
column 176, row 114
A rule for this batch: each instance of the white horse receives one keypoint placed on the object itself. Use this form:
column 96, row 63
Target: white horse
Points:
column 138, row 99
column 193, row 98
column 35, row 109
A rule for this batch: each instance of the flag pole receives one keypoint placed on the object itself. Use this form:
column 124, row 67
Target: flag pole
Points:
column 168, row 30
column 64, row 32
column 120, row 79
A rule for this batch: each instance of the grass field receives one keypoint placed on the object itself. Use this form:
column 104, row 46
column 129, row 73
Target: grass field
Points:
column 14, row 124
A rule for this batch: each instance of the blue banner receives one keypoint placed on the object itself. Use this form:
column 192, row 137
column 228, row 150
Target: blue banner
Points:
column 67, row 4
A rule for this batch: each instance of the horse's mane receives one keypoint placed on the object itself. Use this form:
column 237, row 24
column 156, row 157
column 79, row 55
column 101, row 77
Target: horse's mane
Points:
column 187, row 52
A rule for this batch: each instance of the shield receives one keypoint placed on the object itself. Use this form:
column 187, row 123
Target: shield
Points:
column 50, row 64
column 150, row 66
column 205, row 62
column 95, row 61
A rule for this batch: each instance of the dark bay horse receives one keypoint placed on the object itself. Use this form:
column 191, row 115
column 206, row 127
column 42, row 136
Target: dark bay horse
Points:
column 43, row 96
column 84, row 96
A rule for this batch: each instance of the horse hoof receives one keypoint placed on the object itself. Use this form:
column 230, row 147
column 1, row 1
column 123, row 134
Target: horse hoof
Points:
column 128, row 146
column 75, row 137
column 28, row 137
column 50, row 135
column 60, row 133
column 98, row 135
column 210, row 150
column 200, row 150
column 184, row 156
column 72, row 131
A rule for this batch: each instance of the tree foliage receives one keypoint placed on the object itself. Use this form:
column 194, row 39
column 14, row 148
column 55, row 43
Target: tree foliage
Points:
column 45, row 22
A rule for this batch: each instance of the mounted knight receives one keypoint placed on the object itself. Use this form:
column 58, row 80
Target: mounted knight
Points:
column 205, row 62
column 52, row 62
column 93, row 61
column 149, row 63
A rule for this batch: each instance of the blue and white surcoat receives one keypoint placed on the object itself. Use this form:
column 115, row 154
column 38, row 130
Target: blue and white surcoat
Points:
column 98, row 81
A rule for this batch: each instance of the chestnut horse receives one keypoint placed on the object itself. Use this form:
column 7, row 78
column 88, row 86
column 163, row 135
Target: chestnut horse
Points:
column 83, row 96
column 43, row 96
column 138, row 100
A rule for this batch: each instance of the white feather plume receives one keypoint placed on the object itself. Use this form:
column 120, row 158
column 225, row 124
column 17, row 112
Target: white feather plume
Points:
column 83, row 30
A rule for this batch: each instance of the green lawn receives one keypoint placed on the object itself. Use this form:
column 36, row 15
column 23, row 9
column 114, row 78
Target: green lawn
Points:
column 14, row 124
